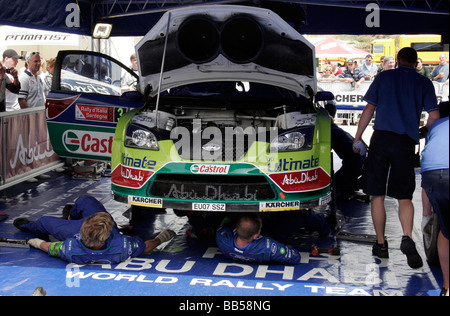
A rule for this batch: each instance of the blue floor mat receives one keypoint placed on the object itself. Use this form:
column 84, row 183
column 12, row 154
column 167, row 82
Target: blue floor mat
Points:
column 194, row 267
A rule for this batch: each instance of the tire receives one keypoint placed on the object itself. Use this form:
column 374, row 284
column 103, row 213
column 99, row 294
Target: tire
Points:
column 430, row 236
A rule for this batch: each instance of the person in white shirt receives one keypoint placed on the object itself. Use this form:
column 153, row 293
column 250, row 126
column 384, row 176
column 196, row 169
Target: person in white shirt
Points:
column 369, row 69
column 32, row 91
column 128, row 81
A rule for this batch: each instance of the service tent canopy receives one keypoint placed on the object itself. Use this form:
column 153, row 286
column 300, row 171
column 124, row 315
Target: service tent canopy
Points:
column 334, row 48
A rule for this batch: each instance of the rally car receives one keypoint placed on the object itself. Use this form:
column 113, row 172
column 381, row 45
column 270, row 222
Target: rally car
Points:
column 229, row 121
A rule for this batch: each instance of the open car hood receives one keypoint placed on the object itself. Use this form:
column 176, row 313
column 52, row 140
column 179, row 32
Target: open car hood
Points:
column 225, row 43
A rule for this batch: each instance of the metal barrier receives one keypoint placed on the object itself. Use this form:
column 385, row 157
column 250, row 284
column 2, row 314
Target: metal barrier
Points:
column 350, row 103
column 26, row 151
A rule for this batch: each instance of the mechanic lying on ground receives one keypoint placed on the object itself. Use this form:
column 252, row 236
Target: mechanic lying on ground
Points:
column 246, row 243
column 87, row 235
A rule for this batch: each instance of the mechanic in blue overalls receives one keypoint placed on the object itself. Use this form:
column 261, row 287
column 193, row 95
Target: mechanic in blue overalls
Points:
column 87, row 234
column 246, row 243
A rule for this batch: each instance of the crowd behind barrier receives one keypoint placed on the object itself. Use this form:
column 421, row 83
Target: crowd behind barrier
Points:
column 350, row 103
column 26, row 151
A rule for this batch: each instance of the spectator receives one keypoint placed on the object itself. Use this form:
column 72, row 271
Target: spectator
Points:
column 440, row 72
column 8, row 87
column 352, row 74
column 327, row 74
column 246, row 243
column 424, row 71
column 369, row 69
column 435, row 165
column 10, row 61
column 32, row 91
column 87, row 234
column 387, row 63
column 128, row 81
column 398, row 96
column 47, row 77
column 335, row 69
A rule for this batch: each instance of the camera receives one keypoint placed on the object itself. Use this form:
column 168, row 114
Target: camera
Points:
column 8, row 71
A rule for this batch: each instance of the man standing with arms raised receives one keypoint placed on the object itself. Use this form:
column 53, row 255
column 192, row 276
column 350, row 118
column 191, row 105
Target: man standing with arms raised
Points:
column 398, row 97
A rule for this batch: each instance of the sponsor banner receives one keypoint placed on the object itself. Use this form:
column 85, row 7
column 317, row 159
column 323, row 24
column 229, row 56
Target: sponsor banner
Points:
column 130, row 177
column 27, row 144
column 17, row 36
column 346, row 94
column 301, row 181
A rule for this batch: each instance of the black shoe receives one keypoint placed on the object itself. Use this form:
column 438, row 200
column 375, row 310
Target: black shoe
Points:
column 408, row 247
column 443, row 292
column 66, row 211
column 381, row 250
column 18, row 222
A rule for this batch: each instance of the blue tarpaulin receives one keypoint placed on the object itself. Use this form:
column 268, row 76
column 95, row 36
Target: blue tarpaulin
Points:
column 135, row 18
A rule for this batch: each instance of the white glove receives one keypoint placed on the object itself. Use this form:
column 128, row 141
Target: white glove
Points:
column 362, row 148
column 35, row 243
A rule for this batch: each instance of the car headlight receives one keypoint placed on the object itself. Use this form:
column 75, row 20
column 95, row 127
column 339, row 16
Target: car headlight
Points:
column 140, row 137
column 294, row 140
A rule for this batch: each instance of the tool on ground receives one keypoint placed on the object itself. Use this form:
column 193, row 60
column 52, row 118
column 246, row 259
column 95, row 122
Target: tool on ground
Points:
column 3, row 217
column 368, row 238
column 14, row 243
column 335, row 250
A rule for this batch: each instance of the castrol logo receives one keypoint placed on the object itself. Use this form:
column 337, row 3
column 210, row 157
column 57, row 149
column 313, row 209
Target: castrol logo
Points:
column 210, row 169
column 92, row 143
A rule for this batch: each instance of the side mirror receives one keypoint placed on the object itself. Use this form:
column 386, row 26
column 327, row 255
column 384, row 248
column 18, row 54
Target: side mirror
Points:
column 132, row 96
column 324, row 96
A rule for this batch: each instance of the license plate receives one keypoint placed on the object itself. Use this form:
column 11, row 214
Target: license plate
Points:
column 211, row 207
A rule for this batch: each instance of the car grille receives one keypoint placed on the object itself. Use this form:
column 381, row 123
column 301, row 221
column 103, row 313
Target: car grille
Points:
column 224, row 151
column 214, row 188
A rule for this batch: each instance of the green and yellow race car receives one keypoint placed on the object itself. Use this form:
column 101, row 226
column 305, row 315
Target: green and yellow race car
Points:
column 231, row 122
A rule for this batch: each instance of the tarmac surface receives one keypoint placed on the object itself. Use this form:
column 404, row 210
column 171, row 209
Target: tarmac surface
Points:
column 188, row 266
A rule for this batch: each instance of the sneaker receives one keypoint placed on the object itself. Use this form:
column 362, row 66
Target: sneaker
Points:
column 18, row 222
column 443, row 292
column 66, row 210
column 166, row 235
column 380, row 250
column 408, row 247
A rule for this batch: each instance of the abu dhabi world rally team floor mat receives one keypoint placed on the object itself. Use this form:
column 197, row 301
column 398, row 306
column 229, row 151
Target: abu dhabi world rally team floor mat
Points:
column 191, row 265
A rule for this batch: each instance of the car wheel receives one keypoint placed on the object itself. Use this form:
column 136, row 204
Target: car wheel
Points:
column 430, row 236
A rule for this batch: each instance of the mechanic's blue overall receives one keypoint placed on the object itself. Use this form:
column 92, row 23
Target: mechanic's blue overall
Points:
column 117, row 248
column 62, row 229
column 263, row 249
